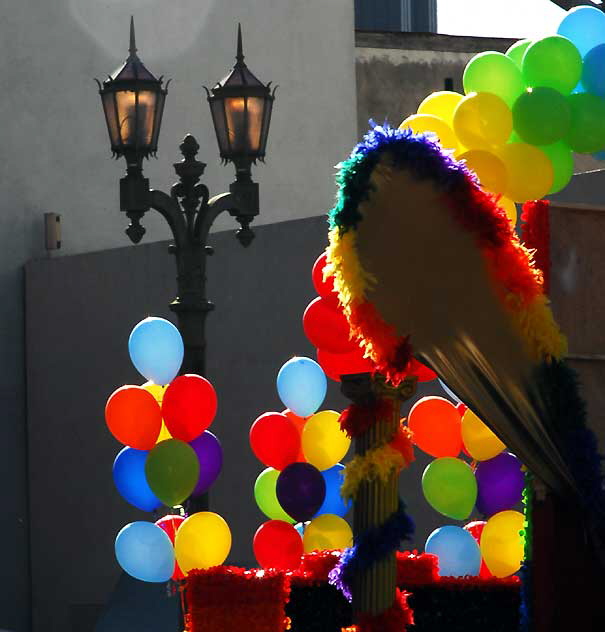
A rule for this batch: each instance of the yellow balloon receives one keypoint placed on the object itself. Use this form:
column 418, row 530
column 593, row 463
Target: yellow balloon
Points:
column 480, row 442
column 502, row 543
column 421, row 123
column 441, row 104
column 202, row 541
column 157, row 390
column 327, row 532
column 323, row 442
column 510, row 208
column 490, row 170
column 482, row 120
column 164, row 433
column 530, row 172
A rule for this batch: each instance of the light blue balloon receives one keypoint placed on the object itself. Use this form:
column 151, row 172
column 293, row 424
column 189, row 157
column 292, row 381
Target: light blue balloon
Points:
column 156, row 350
column 145, row 552
column 457, row 551
column 593, row 70
column 302, row 385
column 584, row 26
column 333, row 502
column 449, row 392
column 130, row 480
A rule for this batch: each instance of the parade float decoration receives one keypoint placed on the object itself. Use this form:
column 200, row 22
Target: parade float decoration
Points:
column 302, row 483
column 424, row 276
column 170, row 456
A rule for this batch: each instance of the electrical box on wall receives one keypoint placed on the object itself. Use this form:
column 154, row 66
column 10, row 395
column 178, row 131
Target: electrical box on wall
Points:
column 52, row 231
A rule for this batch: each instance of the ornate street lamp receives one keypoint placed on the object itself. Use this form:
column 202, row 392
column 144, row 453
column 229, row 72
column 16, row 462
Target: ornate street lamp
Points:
column 133, row 102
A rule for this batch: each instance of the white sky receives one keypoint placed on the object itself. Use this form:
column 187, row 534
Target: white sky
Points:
column 499, row 18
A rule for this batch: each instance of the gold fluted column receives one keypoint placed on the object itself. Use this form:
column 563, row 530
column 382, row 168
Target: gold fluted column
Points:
column 374, row 589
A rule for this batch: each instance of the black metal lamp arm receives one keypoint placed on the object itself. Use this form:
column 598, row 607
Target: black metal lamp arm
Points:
column 190, row 214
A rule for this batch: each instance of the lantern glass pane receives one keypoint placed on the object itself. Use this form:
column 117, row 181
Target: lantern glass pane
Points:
column 136, row 120
column 220, row 126
column 255, row 123
column 266, row 122
column 111, row 118
column 236, row 124
column 157, row 122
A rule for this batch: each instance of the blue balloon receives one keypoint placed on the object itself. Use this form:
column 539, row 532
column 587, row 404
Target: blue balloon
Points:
column 333, row 502
column 302, row 385
column 457, row 551
column 584, row 26
column 156, row 350
column 599, row 155
column 593, row 71
column 130, row 480
column 145, row 552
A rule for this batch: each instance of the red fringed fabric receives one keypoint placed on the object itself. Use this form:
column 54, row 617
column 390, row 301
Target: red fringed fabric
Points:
column 227, row 598
column 395, row 619
column 535, row 232
column 357, row 419
column 414, row 569
column 314, row 567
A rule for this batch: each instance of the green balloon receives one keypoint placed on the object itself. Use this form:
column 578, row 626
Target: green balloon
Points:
column 172, row 470
column 517, row 50
column 541, row 116
column 587, row 129
column 552, row 62
column 266, row 496
column 450, row 487
column 561, row 158
column 496, row 73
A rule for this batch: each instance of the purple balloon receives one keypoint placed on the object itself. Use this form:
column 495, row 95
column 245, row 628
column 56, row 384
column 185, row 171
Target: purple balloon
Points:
column 301, row 490
column 210, row 455
column 500, row 483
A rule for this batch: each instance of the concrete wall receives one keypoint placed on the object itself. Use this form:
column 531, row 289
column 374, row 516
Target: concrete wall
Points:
column 396, row 71
column 55, row 154
column 80, row 311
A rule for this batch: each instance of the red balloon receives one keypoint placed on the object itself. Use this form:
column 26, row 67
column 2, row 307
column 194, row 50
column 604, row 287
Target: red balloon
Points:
column 133, row 417
column 422, row 372
column 476, row 529
column 325, row 288
column 299, row 422
column 461, row 408
column 275, row 440
column 436, row 425
column 278, row 544
column 189, row 406
column 337, row 364
column 326, row 327
column 170, row 524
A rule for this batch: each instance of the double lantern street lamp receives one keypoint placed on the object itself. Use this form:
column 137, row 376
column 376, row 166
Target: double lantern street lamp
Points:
column 133, row 102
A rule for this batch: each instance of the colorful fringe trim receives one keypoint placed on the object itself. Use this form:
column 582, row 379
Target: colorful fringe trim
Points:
column 379, row 463
column 518, row 282
column 369, row 547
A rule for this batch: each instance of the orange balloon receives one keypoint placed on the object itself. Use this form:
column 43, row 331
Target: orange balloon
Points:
column 299, row 422
column 133, row 417
column 435, row 424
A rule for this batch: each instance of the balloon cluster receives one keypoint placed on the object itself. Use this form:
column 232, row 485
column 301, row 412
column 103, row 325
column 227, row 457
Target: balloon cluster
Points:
column 326, row 327
column 525, row 112
column 301, row 449
column 169, row 456
column 493, row 483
